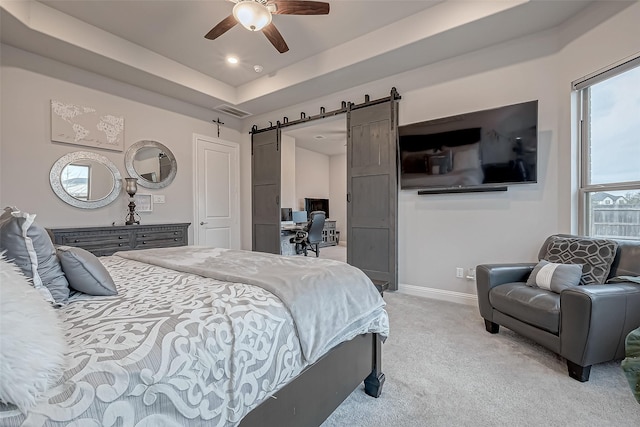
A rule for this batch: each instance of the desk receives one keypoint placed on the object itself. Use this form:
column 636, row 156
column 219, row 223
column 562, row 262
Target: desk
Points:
column 287, row 231
column 292, row 227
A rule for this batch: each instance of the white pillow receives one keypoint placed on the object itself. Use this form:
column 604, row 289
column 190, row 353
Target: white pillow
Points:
column 555, row 277
column 32, row 342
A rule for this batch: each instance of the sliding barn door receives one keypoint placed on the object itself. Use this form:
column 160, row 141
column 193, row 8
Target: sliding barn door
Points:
column 372, row 191
column 265, row 191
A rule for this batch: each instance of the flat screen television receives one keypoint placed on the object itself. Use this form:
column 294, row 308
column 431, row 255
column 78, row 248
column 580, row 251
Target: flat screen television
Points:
column 311, row 205
column 471, row 151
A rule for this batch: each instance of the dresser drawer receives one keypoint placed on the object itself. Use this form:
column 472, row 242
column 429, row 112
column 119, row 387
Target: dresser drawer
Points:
column 159, row 238
column 93, row 239
column 106, row 242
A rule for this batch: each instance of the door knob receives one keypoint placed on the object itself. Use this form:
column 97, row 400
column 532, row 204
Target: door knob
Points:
column 203, row 223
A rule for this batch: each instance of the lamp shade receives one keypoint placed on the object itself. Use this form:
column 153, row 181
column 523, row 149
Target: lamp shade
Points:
column 252, row 15
column 131, row 186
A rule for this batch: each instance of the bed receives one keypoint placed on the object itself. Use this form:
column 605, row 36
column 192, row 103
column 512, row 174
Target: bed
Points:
column 206, row 336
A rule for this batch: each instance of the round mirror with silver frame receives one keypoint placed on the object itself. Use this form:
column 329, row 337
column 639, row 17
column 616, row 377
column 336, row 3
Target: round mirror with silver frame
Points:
column 152, row 163
column 85, row 180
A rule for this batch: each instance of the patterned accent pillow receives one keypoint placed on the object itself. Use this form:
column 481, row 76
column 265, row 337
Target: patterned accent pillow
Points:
column 596, row 255
column 555, row 277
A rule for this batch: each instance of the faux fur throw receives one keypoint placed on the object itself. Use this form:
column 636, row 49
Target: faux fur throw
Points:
column 32, row 345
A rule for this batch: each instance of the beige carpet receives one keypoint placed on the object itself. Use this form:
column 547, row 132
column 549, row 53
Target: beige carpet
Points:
column 443, row 369
column 338, row 253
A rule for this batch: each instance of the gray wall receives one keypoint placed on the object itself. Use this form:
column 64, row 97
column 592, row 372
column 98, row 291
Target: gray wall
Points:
column 288, row 173
column 312, row 176
column 338, row 193
column 27, row 152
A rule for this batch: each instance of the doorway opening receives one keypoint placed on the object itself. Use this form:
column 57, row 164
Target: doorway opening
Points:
column 314, row 167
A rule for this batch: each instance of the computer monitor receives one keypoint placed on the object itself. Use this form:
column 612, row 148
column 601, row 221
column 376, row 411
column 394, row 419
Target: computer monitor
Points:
column 285, row 214
column 299, row 216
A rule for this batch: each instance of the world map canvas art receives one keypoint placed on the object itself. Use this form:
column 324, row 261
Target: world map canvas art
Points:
column 76, row 124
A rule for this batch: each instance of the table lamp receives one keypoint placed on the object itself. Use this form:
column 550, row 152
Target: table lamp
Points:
column 131, row 187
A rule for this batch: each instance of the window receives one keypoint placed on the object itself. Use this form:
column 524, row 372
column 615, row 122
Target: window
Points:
column 610, row 149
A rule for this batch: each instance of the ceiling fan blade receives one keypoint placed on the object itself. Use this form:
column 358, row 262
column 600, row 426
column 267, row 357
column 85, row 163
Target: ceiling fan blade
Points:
column 223, row 26
column 274, row 36
column 301, row 7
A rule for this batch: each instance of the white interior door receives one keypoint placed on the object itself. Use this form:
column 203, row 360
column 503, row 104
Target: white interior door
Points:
column 217, row 200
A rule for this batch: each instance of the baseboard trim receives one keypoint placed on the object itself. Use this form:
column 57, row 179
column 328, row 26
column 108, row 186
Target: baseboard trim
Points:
column 439, row 294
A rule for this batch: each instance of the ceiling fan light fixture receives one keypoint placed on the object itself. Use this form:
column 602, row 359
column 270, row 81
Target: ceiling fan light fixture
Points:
column 252, row 15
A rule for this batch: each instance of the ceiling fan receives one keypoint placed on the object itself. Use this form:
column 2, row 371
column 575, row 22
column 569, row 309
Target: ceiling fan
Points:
column 255, row 15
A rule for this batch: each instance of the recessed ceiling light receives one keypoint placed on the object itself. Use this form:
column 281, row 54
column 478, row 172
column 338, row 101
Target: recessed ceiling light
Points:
column 232, row 60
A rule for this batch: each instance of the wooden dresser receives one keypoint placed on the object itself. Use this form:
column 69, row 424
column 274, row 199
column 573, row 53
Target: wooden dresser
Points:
column 106, row 240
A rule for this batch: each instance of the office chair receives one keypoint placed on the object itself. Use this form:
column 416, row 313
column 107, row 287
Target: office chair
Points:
column 310, row 237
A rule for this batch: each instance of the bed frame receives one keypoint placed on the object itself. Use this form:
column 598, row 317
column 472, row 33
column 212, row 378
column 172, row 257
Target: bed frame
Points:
column 314, row 394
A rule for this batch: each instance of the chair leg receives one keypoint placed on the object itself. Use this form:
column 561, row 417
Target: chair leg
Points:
column 577, row 372
column 304, row 249
column 491, row 327
column 317, row 250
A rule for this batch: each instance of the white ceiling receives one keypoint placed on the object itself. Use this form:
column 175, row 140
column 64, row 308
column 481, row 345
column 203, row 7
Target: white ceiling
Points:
column 176, row 29
column 160, row 45
column 327, row 136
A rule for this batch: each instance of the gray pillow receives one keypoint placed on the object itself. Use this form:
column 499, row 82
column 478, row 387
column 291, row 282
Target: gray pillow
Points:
column 555, row 277
column 29, row 246
column 85, row 272
column 597, row 255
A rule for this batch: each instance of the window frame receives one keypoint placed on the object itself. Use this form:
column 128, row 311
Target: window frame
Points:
column 583, row 87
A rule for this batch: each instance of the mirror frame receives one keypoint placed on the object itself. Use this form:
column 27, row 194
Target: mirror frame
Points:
column 62, row 162
column 130, row 155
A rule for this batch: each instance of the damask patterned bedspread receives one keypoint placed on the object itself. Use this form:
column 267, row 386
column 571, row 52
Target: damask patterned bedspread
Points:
column 172, row 349
column 330, row 301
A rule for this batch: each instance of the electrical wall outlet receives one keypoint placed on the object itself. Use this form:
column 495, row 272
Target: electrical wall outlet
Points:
column 471, row 273
column 158, row 198
column 459, row 272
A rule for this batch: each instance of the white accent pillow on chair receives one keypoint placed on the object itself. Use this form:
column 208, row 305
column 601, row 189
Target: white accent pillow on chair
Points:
column 555, row 277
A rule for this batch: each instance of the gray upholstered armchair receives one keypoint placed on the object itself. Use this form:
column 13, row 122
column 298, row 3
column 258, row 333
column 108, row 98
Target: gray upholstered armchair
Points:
column 584, row 324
